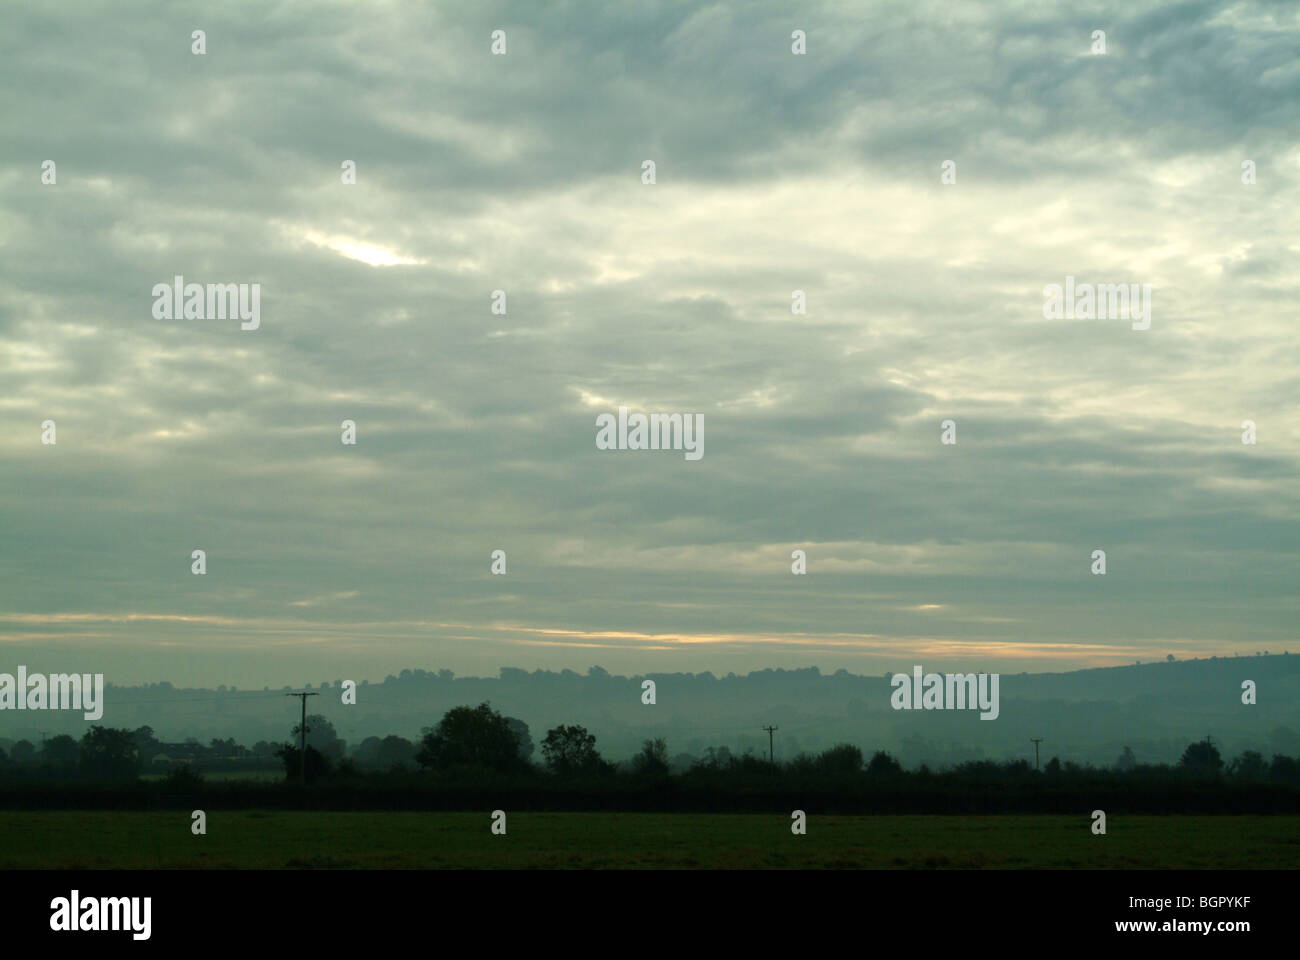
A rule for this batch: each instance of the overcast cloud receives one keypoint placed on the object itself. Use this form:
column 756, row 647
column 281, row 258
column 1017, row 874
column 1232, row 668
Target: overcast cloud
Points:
column 476, row 431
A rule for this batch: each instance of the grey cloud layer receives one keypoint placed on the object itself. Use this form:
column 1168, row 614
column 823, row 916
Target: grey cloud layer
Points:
column 522, row 172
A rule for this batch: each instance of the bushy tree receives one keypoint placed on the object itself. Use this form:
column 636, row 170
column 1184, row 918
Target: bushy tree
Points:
column 840, row 759
column 109, row 753
column 22, row 752
column 321, row 735
column 520, row 730
column 184, row 779
column 470, row 737
column 803, row 764
column 395, row 753
column 570, row 750
column 61, row 752
column 318, row 765
column 653, row 758
column 347, row 769
column 1284, row 768
column 223, row 749
column 1202, row 757
column 146, row 744
column 883, row 765
column 367, row 752
column 1251, row 765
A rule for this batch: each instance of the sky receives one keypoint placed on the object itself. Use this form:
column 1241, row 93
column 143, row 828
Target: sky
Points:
column 821, row 172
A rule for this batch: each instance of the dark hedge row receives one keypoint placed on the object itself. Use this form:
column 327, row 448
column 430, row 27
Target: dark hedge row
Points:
column 1162, row 791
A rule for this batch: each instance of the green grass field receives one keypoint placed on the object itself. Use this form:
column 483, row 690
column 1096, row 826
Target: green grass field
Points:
column 276, row 840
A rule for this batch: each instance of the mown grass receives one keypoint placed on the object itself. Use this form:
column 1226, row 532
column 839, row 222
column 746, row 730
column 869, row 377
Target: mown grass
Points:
column 379, row 840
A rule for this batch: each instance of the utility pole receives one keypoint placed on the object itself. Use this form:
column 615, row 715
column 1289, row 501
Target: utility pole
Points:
column 771, row 757
column 1037, row 741
column 302, row 729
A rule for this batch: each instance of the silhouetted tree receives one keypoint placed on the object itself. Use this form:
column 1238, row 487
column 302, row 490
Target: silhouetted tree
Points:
column 223, row 749
column 61, row 752
column 1285, row 769
column 109, row 753
column 367, row 752
column 321, row 735
column 184, row 779
column 569, row 750
column 23, row 752
column 146, row 744
column 346, row 769
column 883, row 765
column 802, row 765
column 470, row 737
column 318, row 765
column 653, row 758
column 841, row 759
column 1251, row 765
column 1202, row 757
column 520, row 730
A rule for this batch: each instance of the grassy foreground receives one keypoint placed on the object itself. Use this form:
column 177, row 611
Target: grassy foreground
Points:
column 276, row 840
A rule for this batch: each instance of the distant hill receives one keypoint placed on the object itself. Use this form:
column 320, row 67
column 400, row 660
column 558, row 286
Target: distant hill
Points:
column 1087, row 716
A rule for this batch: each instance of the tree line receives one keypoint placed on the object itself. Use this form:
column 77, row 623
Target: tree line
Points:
column 480, row 743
